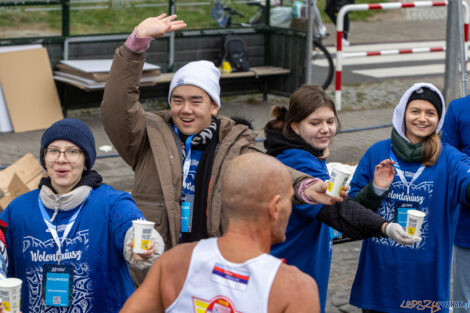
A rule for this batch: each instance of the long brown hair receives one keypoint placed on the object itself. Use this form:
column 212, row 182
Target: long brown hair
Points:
column 303, row 102
column 431, row 149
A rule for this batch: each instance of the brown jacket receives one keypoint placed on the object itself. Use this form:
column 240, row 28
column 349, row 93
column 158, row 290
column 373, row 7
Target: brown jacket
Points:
column 148, row 143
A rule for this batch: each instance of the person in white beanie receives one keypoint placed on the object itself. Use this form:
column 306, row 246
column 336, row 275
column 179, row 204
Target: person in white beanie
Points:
column 179, row 156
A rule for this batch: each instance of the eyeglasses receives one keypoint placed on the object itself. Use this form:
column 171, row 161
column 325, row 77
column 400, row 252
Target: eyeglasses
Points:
column 53, row 154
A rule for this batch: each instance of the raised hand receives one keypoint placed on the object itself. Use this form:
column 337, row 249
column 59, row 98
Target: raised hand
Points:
column 158, row 26
column 384, row 173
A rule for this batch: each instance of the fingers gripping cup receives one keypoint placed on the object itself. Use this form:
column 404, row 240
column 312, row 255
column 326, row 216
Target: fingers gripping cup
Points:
column 338, row 179
column 414, row 221
column 10, row 292
column 142, row 235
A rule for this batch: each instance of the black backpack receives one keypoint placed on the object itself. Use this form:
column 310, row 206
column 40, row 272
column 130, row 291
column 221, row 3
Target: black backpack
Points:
column 234, row 51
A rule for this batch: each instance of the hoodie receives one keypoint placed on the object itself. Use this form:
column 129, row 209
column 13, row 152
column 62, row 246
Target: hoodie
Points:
column 398, row 120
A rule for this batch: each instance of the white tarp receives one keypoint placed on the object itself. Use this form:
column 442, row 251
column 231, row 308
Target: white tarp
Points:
column 100, row 65
column 5, row 122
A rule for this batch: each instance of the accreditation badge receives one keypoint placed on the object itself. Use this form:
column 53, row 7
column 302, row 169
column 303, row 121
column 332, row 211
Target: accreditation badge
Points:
column 187, row 213
column 57, row 283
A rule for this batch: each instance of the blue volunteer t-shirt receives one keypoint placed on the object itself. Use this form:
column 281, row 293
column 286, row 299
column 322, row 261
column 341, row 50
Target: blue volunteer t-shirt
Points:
column 389, row 274
column 456, row 132
column 307, row 245
column 93, row 249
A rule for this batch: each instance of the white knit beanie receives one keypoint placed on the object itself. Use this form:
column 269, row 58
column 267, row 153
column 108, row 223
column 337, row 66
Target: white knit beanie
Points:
column 202, row 74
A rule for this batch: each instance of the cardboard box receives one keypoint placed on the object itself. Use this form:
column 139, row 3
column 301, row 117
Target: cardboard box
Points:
column 28, row 89
column 20, row 177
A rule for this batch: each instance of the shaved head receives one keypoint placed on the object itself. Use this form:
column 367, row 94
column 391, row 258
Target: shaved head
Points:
column 251, row 181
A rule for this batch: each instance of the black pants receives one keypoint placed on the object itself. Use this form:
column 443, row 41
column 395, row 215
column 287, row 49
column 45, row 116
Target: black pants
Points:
column 332, row 8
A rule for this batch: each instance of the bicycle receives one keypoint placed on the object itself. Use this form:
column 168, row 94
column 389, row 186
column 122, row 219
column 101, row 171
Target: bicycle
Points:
column 322, row 62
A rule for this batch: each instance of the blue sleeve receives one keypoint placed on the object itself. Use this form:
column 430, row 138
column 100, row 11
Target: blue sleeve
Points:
column 304, row 162
column 5, row 216
column 307, row 163
column 451, row 130
column 363, row 174
column 458, row 165
column 123, row 212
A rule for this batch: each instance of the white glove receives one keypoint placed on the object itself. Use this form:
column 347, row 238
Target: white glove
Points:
column 396, row 232
column 156, row 238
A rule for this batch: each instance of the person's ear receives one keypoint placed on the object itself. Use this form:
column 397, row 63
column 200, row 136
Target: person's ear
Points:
column 274, row 207
column 295, row 127
column 214, row 107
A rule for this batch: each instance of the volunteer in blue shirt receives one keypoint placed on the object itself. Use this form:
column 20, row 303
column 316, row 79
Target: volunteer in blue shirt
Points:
column 69, row 240
column 299, row 137
column 429, row 176
column 456, row 132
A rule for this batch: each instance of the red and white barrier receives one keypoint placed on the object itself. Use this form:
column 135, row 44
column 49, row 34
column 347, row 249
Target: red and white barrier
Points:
column 340, row 55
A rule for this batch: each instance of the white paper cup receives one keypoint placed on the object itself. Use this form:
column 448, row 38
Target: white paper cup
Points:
column 414, row 221
column 10, row 293
column 338, row 179
column 142, row 235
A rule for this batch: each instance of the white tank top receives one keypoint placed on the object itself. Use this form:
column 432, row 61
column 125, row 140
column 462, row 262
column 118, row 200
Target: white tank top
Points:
column 214, row 284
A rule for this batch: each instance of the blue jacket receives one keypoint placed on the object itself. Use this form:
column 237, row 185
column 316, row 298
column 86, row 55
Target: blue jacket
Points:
column 307, row 243
column 93, row 248
column 390, row 274
column 456, row 132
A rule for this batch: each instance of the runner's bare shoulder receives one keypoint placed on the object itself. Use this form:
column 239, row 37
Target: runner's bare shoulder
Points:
column 293, row 291
column 174, row 265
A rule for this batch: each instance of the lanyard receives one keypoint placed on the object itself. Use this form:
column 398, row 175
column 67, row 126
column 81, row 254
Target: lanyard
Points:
column 402, row 176
column 187, row 159
column 52, row 227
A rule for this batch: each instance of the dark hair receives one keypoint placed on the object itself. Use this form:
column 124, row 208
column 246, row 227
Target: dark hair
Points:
column 303, row 102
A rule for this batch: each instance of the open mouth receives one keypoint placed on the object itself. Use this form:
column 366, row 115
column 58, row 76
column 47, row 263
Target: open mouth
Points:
column 421, row 127
column 62, row 172
column 187, row 121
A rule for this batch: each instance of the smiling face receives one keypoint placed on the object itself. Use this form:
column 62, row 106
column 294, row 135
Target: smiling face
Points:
column 63, row 173
column 421, row 120
column 191, row 109
column 318, row 128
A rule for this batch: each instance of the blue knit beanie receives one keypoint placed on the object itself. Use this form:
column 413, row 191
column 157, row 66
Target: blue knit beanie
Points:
column 72, row 130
